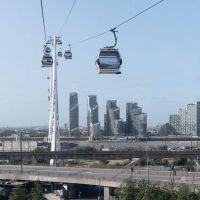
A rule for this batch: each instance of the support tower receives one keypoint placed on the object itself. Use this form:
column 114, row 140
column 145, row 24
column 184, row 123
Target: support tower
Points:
column 54, row 134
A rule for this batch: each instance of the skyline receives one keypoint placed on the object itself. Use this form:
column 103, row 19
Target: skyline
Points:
column 74, row 112
column 160, row 52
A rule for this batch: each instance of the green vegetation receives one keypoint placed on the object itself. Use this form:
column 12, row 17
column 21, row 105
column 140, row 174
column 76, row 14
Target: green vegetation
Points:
column 156, row 161
column 39, row 150
column 143, row 190
column 85, row 149
column 1, row 195
column 162, row 147
column 37, row 192
column 19, row 193
column 98, row 163
column 184, row 162
column 181, row 162
column 87, row 163
column 160, row 161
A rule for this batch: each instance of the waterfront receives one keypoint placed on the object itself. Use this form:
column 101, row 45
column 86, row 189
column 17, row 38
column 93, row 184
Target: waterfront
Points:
column 30, row 145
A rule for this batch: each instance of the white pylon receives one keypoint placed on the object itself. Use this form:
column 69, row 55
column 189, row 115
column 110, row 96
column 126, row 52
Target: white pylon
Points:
column 54, row 134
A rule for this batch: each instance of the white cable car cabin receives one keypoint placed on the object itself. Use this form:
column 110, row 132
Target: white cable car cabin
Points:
column 47, row 61
column 68, row 54
column 108, row 61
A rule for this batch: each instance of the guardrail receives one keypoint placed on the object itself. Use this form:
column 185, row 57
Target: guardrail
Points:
column 103, row 179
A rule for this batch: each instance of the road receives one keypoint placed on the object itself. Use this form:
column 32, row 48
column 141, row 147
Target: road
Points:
column 103, row 177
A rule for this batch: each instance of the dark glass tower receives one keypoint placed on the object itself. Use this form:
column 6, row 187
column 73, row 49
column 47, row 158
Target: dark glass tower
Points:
column 73, row 114
column 93, row 117
column 136, row 120
column 113, row 123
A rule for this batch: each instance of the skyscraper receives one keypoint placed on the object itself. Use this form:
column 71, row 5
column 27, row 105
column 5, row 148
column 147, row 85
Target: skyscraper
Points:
column 113, row 123
column 198, row 118
column 182, row 113
column 191, row 119
column 93, row 117
column 185, row 122
column 136, row 120
column 73, row 114
column 174, row 122
column 129, row 108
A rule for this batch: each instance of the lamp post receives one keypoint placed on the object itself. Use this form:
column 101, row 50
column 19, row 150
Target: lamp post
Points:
column 191, row 149
column 21, row 151
column 132, row 169
column 147, row 157
column 173, row 173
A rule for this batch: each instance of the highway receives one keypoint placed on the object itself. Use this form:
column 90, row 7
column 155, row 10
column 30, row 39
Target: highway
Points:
column 94, row 176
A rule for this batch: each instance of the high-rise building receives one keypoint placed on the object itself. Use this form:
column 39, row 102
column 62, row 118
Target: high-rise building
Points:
column 129, row 108
column 93, row 117
column 198, row 118
column 191, row 120
column 185, row 121
column 136, row 120
column 73, row 114
column 174, row 124
column 113, row 124
column 182, row 113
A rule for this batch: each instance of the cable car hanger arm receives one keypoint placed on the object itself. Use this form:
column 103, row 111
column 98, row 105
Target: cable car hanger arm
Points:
column 113, row 30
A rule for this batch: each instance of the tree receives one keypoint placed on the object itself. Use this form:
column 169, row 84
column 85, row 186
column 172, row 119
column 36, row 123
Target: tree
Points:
column 144, row 190
column 126, row 191
column 198, row 194
column 1, row 195
column 148, row 191
column 193, row 196
column 181, row 161
column 19, row 194
column 39, row 150
column 183, row 192
column 37, row 192
column 169, row 192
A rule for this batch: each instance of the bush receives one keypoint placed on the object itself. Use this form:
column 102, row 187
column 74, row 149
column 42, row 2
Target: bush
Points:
column 144, row 190
column 181, row 162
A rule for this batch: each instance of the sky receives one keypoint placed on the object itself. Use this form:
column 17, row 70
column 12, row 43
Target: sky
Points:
column 160, row 51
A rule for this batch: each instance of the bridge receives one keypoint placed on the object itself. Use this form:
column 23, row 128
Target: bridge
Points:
column 97, row 155
column 104, row 178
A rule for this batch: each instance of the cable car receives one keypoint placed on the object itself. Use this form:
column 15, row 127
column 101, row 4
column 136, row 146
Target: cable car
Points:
column 47, row 61
column 68, row 54
column 60, row 54
column 47, row 50
column 59, row 42
column 108, row 61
